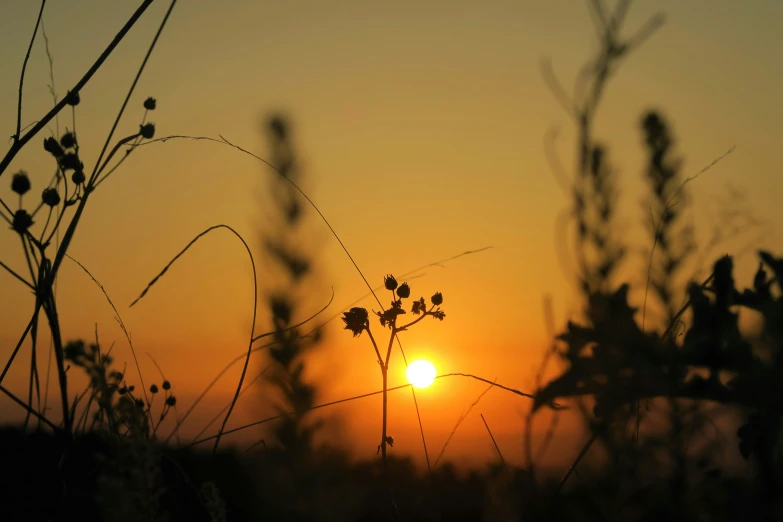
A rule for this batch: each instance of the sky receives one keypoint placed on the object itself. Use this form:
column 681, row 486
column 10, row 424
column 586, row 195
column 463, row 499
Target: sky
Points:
column 420, row 130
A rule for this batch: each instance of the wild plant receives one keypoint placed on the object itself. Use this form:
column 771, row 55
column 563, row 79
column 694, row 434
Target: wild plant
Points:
column 609, row 355
column 290, row 347
column 357, row 320
column 68, row 190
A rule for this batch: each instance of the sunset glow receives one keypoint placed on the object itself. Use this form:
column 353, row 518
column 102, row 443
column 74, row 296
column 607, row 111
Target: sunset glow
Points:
column 421, row 373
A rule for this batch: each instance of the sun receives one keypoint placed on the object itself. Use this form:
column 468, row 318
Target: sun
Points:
column 420, row 373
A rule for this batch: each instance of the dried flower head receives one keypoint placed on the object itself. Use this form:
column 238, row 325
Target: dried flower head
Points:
column 437, row 299
column 20, row 183
column 68, row 140
column 50, row 197
column 355, row 320
column 53, row 147
column 150, row 104
column 404, row 291
column 166, row 385
column 22, row 221
column 154, row 388
column 389, row 282
column 147, row 131
column 171, row 401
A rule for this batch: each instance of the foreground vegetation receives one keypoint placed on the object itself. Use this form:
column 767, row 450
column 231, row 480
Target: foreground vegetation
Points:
column 105, row 457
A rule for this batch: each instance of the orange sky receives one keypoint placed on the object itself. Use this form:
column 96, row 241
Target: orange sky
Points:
column 397, row 111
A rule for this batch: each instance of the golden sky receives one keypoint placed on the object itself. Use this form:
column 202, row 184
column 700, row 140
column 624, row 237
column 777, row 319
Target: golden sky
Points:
column 417, row 108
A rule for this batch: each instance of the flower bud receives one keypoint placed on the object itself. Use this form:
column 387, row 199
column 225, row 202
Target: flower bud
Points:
column 68, row 140
column 70, row 162
column 437, row 299
column 50, row 197
column 78, row 177
column 22, row 221
column 404, row 291
column 73, row 99
column 150, row 104
column 52, row 147
column 20, row 183
column 147, row 131
column 389, row 282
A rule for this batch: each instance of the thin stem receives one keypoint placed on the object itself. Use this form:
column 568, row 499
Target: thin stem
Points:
column 356, row 397
column 21, row 403
column 255, row 311
column 19, row 343
column 20, row 278
column 374, row 345
column 50, row 309
column 130, row 91
column 497, row 448
column 573, row 466
column 385, row 374
column 423, row 315
column 21, row 77
column 296, row 187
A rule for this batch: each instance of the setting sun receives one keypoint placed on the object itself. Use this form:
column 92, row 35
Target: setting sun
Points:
column 421, row 373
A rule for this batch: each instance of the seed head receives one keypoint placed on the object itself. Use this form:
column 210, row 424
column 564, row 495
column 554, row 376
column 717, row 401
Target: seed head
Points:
column 68, row 140
column 437, row 299
column 73, row 99
column 50, row 197
column 139, row 403
column 150, row 104
column 166, row 385
column 171, row 401
column 147, row 131
column 355, row 320
column 70, row 162
column 52, row 147
column 389, row 282
column 131, row 388
column 22, row 221
column 122, row 390
column 20, row 183
column 404, row 291
column 78, row 177
column 154, row 388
